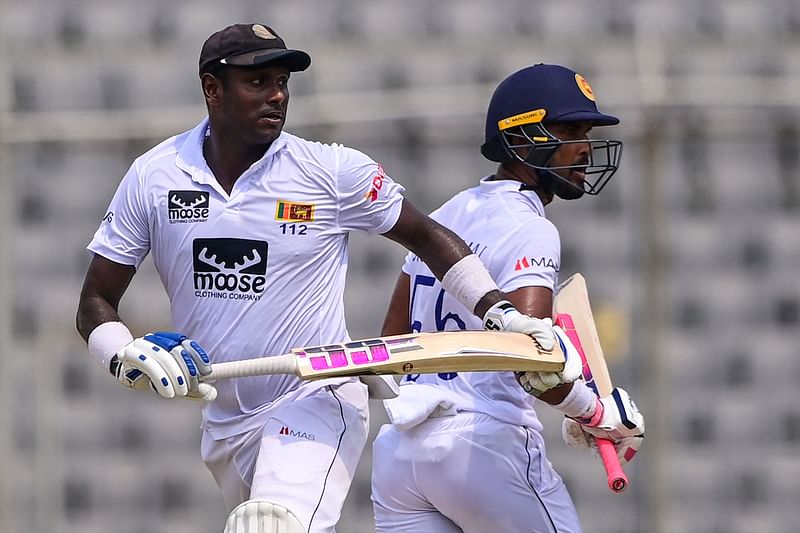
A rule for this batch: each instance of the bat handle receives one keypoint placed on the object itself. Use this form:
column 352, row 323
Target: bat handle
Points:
column 260, row 366
column 617, row 480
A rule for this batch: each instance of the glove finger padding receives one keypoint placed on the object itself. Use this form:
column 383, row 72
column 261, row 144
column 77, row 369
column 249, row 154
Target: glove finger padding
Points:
column 142, row 361
column 620, row 418
column 197, row 390
column 188, row 354
column 169, row 363
column 536, row 383
column 574, row 435
column 503, row 316
column 620, row 421
column 198, row 355
column 193, row 361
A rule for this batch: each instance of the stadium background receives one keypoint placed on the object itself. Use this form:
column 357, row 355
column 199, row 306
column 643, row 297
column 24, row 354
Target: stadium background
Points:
column 692, row 252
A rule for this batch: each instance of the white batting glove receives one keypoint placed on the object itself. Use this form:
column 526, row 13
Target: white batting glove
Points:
column 536, row 383
column 503, row 316
column 616, row 418
column 167, row 363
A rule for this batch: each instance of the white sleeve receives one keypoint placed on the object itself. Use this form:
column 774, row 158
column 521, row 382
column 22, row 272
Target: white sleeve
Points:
column 369, row 200
column 531, row 257
column 124, row 232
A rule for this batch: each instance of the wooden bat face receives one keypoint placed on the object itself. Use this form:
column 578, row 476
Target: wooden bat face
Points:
column 446, row 351
column 574, row 315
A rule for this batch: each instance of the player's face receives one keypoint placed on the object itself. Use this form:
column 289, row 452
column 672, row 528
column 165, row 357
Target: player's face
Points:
column 572, row 153
column 254, row 102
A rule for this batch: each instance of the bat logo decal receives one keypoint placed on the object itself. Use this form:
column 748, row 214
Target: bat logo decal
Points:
column 356, row 353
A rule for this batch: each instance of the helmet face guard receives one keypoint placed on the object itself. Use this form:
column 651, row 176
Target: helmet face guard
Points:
column 515, row 129
column 534, row 146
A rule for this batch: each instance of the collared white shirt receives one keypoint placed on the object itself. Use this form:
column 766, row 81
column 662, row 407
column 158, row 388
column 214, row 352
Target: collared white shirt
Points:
column 260, row 270
column 507, row 229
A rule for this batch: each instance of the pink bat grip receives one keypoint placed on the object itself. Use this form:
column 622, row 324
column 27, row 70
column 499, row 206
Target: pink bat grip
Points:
column 617, row 480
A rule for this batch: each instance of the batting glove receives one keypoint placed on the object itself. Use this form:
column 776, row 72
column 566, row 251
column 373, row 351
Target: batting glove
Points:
column 615, row 418
column 167, row 363
column 503, row 316
column 536, row 383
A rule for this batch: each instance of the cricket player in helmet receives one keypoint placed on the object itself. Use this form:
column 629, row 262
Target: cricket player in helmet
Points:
column 518, row 127
column 464, row 451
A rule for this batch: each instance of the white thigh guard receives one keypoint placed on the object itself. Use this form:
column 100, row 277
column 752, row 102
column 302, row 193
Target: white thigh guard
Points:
column 259, row 516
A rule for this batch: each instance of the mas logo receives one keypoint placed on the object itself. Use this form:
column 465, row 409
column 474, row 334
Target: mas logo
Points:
column 524, row 263
column 294, row 211
column 289, row 432
column 230, row 269
column 187, row 206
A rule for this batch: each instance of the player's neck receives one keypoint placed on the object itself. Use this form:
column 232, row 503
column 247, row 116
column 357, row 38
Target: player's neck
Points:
column 229, row 161
column 517, row 172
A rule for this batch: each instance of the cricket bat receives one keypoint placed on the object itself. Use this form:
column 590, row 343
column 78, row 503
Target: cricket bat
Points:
column 415, row 353
column 574, row 314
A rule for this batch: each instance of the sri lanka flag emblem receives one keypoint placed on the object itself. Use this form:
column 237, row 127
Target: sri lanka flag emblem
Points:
column 294, row 211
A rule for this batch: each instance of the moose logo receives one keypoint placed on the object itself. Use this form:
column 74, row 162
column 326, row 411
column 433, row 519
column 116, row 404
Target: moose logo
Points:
column 188, row 206
column 229, row 268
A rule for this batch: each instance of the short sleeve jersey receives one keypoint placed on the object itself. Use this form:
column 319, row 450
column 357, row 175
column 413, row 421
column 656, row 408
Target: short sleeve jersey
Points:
column 260, row 270
column 506, row 228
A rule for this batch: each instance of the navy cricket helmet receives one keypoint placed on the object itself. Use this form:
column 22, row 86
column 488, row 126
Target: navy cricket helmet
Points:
column 516, row 125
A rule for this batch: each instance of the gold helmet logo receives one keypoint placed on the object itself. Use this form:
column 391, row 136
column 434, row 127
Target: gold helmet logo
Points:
column 262, row 31
column 584, row 86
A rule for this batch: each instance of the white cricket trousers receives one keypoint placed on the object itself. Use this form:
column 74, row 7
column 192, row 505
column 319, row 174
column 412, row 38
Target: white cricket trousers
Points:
column 303, row 457
column 467, row 473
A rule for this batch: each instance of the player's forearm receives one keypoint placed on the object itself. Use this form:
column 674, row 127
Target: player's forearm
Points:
column 556, row 395
column 437, row 246
column 442, row 251
column 103, row 287
column 93, row 311
column 397, row 320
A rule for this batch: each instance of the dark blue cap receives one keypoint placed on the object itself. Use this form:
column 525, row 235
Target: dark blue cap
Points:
column 542, row 94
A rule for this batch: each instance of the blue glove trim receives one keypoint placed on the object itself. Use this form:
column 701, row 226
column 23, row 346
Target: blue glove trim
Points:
column 190, row 366
column 623, row 414
column 200, row 351
column 165, row 339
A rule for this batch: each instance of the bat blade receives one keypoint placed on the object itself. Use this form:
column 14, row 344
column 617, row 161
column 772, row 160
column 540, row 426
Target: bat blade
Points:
column 574, row 314
column 415, row 353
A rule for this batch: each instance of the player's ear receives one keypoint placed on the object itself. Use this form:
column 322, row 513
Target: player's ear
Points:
column 212, row 89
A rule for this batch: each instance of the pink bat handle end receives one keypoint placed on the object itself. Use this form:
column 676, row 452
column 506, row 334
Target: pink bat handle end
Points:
column 617, row 480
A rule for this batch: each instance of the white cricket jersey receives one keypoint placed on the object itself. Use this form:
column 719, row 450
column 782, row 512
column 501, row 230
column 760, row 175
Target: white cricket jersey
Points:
column 256, row 272
column 506, row 228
